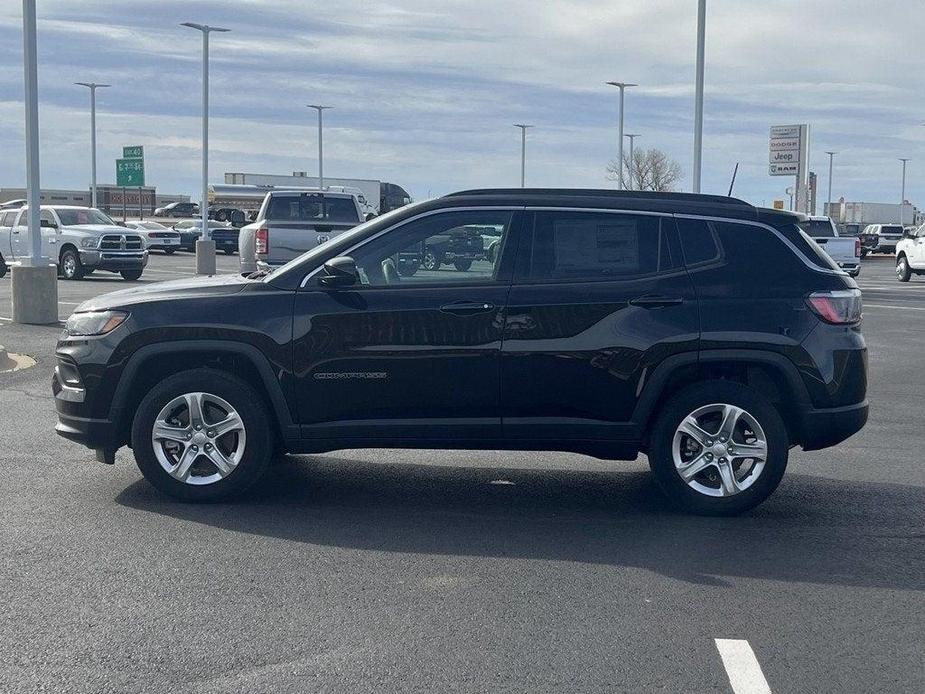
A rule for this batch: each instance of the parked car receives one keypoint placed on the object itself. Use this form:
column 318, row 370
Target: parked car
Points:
column 882, row 238
column 910, row 254
column 709, row 334
column 190, row 231
column 81, row 240
column 292, row 222
column 156, row 235
column 458, row 247
column 226, row 238
column 846, row 252
column 178, row 210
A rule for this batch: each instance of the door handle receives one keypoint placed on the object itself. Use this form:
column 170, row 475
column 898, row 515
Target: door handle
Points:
column 467, row 308
column 656, row 301
column 15, row 231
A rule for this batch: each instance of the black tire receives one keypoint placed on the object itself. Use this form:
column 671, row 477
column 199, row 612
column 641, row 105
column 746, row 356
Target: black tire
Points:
column 686, row 402
column 3, row 266
column 864, row 252
column 131, row 275
column 431, row 260
column 259, row 446
column 408, row 268
column 170, row 251
column 462, row 265
column 229, row 251
column 69, row 265
column 903, row 271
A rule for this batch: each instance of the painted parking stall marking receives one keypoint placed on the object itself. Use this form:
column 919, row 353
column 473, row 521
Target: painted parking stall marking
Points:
column 742, row 667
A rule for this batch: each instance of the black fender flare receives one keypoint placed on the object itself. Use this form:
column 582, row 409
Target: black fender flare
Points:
column 654, row 386
column 272, row 386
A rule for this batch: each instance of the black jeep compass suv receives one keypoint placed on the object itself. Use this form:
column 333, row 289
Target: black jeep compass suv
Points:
column 702, row 331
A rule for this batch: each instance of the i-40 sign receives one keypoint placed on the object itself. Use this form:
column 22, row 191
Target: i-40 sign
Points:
column 130, row 173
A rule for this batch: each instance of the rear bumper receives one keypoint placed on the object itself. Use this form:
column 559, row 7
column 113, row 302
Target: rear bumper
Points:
column 821, row 428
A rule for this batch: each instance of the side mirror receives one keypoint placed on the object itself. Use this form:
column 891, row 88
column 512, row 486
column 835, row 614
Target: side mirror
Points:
column 339, row 272
column 47, row 224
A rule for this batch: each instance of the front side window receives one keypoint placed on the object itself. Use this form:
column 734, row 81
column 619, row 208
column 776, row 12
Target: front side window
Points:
column 8, row 219
column 445, row 248
column 594, row 246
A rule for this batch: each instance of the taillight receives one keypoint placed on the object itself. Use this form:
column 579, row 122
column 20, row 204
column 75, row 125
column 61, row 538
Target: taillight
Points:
column 841, row 307
column 857, row 247
column 263, row 241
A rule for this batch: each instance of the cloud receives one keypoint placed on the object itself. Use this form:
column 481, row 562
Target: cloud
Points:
column 426, row 93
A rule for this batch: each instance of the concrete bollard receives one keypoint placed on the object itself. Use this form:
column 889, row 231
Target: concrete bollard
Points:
column 35, row 294
column 205, row 257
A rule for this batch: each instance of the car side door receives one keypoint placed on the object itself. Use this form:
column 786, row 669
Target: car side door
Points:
column 404, row 353
column 51, row 230
column 600, row 298
column 917, row 246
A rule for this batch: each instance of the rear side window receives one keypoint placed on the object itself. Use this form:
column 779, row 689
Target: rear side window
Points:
column 759, row 255
column 311, row 208
column 698, row 242
column 809, row 248
column 596, row 246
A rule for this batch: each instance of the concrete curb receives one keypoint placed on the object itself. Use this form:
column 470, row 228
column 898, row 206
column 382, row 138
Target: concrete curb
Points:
column 14, row 362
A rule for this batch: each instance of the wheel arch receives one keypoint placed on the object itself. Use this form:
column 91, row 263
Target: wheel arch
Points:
column 152, row 363
column 769, row 373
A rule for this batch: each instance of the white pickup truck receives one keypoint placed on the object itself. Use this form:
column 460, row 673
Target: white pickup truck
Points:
column 79, row 239
column 845, row 251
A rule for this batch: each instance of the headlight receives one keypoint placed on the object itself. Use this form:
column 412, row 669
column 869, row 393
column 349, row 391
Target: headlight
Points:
column 88, row 243
column 94, row 323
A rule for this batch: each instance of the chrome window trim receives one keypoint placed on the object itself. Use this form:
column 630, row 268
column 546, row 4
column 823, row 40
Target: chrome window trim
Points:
column 557, row 208
column 429, row 213
column 761, row 225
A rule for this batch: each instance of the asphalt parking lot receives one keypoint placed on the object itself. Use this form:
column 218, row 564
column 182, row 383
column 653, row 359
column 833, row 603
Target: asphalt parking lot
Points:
column 462, row 571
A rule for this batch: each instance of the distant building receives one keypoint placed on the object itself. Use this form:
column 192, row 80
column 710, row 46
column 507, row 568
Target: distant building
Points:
column 109, row 199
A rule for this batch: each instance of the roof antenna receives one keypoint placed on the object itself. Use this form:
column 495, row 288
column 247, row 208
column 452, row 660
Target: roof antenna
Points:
column 733, row 181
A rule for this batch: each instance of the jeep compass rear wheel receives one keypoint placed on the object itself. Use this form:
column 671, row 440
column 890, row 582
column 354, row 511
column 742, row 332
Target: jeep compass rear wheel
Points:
column 718, row 448
column 202, row 435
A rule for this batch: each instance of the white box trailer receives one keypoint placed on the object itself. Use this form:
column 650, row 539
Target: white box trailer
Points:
column 381, row 196
column 857, row 215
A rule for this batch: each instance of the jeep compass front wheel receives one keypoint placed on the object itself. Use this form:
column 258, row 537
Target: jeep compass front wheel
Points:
column 719, row 448
column 202, row 435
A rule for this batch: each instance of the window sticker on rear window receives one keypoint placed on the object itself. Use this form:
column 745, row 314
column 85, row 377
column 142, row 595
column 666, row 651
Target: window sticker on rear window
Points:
column 597, row 247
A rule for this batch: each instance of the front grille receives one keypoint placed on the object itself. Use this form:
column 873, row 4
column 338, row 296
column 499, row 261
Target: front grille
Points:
column 121, row 242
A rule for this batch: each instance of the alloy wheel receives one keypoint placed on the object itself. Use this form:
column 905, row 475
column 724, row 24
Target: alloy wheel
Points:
column 719, row 450
column 198, row 438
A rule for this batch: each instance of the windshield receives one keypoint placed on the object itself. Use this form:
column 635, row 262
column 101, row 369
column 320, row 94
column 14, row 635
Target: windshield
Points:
column 82, row 215
column 312, row 207
column 341, row 241
column 818, row 228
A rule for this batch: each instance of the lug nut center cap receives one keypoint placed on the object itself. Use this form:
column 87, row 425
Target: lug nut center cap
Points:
column 200, row 438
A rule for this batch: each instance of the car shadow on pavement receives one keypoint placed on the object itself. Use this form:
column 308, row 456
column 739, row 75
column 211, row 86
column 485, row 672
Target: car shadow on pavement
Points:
column 813, row 529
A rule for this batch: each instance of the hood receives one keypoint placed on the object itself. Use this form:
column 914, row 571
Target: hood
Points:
column 162, row 291
column 100, row 229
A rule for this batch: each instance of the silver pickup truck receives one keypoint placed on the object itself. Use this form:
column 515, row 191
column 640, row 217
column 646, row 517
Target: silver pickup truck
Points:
column 79, row 239
column 292, row 222
column 845, row 251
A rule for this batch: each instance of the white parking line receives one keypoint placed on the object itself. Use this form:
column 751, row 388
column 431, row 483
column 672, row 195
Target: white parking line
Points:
column 901, row 308
column 742, row 667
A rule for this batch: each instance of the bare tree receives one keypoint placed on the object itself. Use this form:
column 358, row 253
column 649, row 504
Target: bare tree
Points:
column 652, row 170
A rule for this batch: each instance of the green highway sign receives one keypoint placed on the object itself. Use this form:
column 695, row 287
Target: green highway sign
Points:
column 133, row 152
column 130, row 173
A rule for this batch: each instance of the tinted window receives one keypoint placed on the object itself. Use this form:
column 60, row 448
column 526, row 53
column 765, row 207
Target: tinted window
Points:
column 891, row 229
column 310, row 207
column 451, row 247
column 818, row 228
column 811, row 250
column 761, row 256
column 698, row 241
column 595, row 246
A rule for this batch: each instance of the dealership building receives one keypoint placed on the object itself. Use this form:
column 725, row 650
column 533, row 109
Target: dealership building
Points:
column 113, row 200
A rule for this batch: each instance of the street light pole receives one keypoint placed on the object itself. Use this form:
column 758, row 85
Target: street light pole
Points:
column 902, row 200
column 523, row 152
column 698, row 99
column 622, row 87
column 632, row 166
column 34, row 281
column 92, row 86
column 831, row 159
column 205, row 253
column 320, row 110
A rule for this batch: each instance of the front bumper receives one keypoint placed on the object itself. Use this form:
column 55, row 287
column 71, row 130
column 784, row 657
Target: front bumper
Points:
column 821, row 428
column 113, row 260
column 69, row 404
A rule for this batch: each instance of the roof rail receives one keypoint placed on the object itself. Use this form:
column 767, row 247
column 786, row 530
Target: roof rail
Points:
column 604, row 193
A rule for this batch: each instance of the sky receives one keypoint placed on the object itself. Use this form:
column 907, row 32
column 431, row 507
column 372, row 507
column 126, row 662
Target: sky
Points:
column 425, row 92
